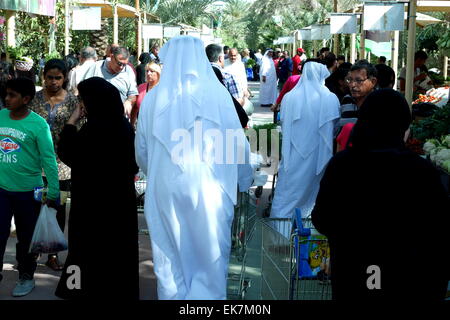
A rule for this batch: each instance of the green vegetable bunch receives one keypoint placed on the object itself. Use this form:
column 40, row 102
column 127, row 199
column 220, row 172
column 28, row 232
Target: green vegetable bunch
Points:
column 15, row 53
column 250, row 63
column 435, row 126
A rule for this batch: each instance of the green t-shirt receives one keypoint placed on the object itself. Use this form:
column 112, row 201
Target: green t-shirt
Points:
column 26, row 148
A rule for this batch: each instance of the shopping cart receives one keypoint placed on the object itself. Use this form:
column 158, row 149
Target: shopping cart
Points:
column 241, row 233
column 140, row 184
column 294, row 260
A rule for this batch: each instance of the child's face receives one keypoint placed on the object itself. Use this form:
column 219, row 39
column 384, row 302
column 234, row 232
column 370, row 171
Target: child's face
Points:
column 14, row 100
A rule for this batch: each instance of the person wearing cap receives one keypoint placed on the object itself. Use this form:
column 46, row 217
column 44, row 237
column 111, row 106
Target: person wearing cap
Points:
column 297, row 60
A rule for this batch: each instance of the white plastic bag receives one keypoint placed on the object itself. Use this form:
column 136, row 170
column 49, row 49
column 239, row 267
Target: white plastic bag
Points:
column 47, row 236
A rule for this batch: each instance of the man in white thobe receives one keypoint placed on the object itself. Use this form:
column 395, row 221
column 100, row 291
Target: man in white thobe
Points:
column 268, row 92
column 193, row 171
column 235, row 67
column 308, row 113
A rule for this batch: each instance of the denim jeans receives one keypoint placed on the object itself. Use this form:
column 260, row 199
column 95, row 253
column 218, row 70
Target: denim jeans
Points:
column 26, row 212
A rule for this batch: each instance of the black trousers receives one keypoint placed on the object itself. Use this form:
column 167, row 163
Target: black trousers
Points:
column 25, row 210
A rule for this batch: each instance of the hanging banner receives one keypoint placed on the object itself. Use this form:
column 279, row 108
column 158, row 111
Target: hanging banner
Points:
column 41, row 7
column 207, row 39
column 170, row 32
column 378, row 36
column 384, row 16
column 152, row 31
column 343, row 23
column 196, row 34
column 87, row 18
column 304, row 34
column 320, row 32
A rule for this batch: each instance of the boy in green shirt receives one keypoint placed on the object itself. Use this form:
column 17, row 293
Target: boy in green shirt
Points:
column 26, row 148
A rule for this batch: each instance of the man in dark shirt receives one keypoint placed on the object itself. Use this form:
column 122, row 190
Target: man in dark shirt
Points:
column 285, row 67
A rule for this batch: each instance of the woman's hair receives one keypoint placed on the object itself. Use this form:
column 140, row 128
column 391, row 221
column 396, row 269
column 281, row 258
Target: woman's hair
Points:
column 153, row 65
column 71, row 62
column 56, row 64
column 145, row 58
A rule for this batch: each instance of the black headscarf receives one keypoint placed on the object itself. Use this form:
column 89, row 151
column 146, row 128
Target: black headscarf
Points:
column 101, row 99
column 383, row 120
column 109, row 133
column 145, row 58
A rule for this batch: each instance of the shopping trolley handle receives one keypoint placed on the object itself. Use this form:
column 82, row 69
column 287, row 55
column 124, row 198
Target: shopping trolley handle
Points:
column 302, row 232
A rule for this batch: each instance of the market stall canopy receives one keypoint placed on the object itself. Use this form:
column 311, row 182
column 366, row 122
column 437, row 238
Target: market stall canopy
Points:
column 422, row 20
column 185, row 27
column 433, row 6
column 422, row 6
column 46, row 8
column 123, row 11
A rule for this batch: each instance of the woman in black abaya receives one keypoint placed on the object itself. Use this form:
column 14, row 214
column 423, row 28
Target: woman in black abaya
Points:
column 103, row 239
column 382, row 206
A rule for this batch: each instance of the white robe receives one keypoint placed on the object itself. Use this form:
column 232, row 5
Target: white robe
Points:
column 307, row 114
column 268, row 92
column 189, row 204
column 237, row 69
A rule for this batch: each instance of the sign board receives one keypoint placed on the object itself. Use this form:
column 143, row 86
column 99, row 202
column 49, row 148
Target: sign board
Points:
column 286, row 40
column 152, row 31
column 304, row 34
column 343, row 23
column 87, row 18
column 170, row 32
column 384, row 16
column 41, row 7
column 320, row 32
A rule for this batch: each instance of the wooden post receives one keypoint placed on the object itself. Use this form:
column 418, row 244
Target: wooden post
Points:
column 362, row 42
column 66, row 28
column 11, row 28
column 353, row 44
column 394, row 54
column 445, row 68
column 138, row 29
column 336, row 36
column 146, row 41
column 410, row 52
column 116, row 25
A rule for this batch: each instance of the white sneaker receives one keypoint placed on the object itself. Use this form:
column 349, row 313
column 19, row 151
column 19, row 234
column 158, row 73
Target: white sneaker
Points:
column 24, row 286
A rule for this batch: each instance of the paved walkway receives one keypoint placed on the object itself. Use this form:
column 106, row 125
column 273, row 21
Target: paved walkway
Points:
column 47, row 279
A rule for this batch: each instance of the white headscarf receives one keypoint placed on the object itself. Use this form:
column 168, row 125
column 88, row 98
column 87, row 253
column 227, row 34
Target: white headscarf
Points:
column 189, row 90
column 267, row 64
column 311, row 101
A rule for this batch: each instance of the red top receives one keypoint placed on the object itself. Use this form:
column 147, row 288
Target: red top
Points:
column 343, row 137
column 276, row 62
column 142, row 89
column 297, row 62
column 288, row 86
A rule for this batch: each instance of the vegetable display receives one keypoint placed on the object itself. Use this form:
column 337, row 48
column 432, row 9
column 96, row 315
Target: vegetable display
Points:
column 439, row 152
